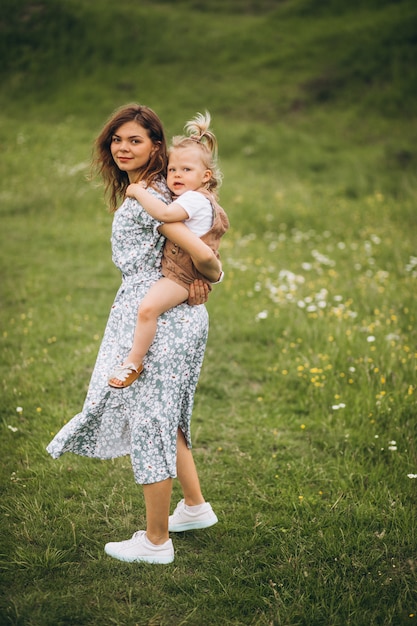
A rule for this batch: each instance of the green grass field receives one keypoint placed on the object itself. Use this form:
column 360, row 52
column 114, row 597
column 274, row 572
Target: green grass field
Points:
column 304, row 426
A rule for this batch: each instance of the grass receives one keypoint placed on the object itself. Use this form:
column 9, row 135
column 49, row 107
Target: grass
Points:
column 304, row 425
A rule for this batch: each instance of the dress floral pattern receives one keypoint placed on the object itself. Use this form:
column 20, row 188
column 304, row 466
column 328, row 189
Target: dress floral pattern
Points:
column 141, row 420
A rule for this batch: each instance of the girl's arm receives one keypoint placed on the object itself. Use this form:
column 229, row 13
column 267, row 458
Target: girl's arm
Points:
column 202, row 256
column 155, row 207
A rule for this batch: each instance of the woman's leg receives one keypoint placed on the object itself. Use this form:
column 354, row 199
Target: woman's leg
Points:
column 187, row 473
column 193, row 512
column 165, row 294
column 154, row 544
column 157, row 502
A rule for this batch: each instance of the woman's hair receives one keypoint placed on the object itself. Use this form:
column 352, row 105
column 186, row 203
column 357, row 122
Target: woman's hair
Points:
column 199, row 135
column 116, row 181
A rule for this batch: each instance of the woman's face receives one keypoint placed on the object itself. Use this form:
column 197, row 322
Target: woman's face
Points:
column 131, row 149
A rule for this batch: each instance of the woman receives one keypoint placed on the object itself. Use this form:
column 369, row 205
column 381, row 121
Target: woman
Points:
column 150, row 420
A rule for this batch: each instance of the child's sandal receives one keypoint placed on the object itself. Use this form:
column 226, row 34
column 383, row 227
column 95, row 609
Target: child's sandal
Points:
column 124, row 375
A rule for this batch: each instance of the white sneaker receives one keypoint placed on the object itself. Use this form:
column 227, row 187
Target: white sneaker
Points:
column 138, row 549
column 183, row 518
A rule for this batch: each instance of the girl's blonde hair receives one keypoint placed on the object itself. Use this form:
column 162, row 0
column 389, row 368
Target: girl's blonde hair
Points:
column 198, row 133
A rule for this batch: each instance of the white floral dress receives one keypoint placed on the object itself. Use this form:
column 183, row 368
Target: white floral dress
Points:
column 141, row 420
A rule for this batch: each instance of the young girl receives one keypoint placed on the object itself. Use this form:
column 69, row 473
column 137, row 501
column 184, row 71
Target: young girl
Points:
column 193, row 178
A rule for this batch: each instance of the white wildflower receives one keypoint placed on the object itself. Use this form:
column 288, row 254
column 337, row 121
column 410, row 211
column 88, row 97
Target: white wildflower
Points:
column 392, row 337
column 412, row 266
column 322, row 258
column 382, row 275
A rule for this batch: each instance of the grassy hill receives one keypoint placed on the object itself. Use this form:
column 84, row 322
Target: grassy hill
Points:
column 264, row 59
column 343, row 71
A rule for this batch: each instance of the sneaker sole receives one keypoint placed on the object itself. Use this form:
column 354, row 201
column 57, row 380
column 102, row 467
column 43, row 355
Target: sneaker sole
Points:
column 178, row 528
column 161, row 560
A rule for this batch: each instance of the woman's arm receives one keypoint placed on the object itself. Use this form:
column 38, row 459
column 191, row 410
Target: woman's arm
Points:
column 156, row 208
column 202, row 256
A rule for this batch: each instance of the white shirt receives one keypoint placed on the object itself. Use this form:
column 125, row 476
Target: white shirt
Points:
column 199, row 210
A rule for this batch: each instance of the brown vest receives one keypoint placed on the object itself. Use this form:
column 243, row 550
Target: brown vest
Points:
column 177, row 264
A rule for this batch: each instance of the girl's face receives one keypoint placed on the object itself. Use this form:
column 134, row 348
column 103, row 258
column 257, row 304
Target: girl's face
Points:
column 131, row 149
column 186, row 170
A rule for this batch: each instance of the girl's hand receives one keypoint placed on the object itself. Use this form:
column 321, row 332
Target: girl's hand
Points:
column 198, row 294
column 130, row 191
column 133, row 188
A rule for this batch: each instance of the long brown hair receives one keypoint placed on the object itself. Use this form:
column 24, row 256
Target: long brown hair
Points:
column 115, row 180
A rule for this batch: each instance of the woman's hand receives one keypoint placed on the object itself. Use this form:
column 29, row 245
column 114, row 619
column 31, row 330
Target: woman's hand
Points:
column 198, row 294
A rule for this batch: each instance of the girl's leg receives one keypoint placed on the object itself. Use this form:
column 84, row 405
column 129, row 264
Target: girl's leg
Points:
column 157, row 502
column 187, row 473
column 162, row 296
column 165, row 294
